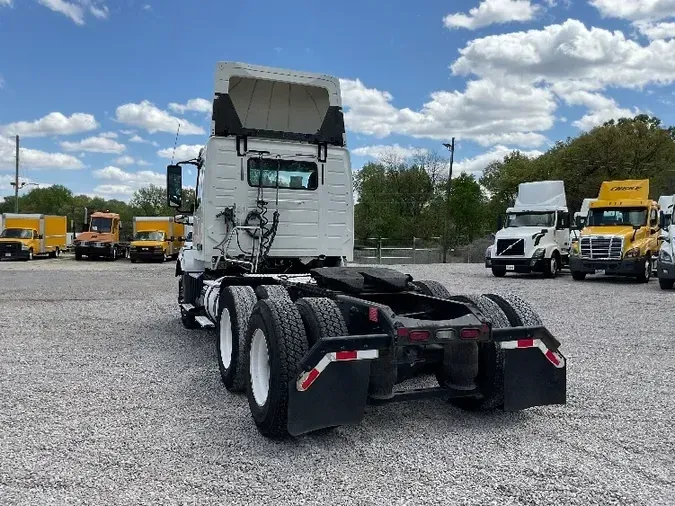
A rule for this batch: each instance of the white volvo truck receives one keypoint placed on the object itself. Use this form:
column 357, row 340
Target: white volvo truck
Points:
column 535, row 236
column 310, row 340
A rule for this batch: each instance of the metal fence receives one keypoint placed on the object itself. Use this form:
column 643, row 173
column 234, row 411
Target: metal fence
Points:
column 385, row 251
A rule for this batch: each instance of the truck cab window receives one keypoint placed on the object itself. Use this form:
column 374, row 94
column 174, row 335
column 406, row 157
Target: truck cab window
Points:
column 546, row 219
column 293, row 174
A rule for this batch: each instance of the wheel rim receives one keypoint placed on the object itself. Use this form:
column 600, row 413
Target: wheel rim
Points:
column 58, row 252
column 225, row 339
column 648, row 268
column 554, row 266
column 30, row 255
column 260, row 368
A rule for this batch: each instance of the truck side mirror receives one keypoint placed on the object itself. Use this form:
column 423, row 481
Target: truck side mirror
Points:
column 174, row 186
column 662, row 220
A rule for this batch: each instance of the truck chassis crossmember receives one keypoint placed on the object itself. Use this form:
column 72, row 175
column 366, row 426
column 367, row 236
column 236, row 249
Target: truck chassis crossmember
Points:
column 391, row 323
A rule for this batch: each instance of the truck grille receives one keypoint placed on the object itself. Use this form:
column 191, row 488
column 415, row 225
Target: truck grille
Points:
column 9, row 247
column 601, row 248
column 511, row 247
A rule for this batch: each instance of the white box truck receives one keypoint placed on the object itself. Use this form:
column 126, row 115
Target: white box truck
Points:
column 535, row 236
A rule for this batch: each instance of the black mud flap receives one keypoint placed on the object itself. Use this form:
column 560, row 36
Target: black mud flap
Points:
column 531, row 380
column 337, row 397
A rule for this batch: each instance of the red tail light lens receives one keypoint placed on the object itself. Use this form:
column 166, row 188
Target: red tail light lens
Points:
column 418, row 335
column 469, row 333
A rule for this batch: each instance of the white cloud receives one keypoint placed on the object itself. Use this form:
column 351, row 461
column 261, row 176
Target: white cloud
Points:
column 54, row 123
column 147, row 7
column 383, row 150
column 193, row 105
column 592, row 58
column 487, row 112
column 35, row 159
column 109, row 135
column 183, row 152
column 148, row 116
column 95, row 145
column 129, row 160
column 75, row 10
column 479, row 162
column 5, row 3
column 128, row 132
column 124, row 183
column 491, row 12
column 635, row 10
column 656, row 31
column 7, row 188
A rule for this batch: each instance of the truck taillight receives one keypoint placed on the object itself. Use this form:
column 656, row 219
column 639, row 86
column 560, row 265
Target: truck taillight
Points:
column 469, row 333
column 418, row 335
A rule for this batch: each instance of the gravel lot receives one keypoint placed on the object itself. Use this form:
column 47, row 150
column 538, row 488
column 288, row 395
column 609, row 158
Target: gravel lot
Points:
column 106, row 399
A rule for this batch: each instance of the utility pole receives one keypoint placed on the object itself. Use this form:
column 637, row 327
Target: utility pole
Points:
column 446, row 245
column 16, row 179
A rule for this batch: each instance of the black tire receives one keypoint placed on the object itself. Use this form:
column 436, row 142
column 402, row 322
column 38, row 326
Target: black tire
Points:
column 133, row 260
column 272, row 292
column 186, row 319
column 280, row 325
column 646, row 273
column 499, row 272
column 552, row 266
column 525, row 314
column 239, row 302
column 490, row 378
column 578, row 276
column 433, row 289
column 78, row 256
column 322, row 318
column 666, row 284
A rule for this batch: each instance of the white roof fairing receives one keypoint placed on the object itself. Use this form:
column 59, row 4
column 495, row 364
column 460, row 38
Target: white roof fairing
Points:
column 540, row 196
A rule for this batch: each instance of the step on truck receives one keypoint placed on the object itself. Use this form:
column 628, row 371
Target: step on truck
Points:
column 621, row 235
column 156, row 238
column 535, row 235
column 103, row 238
column 26, row 236
column 311, row 340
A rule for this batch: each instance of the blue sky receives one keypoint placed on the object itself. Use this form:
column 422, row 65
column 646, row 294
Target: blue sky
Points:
column 96, row 88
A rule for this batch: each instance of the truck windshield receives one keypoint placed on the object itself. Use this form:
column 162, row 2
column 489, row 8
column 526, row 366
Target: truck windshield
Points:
column 149, row 236
column 17, row 233
column 102, row 225
column 617, row 216
column 530, row 219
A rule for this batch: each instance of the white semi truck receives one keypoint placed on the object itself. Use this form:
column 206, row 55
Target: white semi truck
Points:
column 311, row 340
column 535, row 236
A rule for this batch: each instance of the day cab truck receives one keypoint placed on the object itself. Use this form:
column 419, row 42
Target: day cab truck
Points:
column 310, row 339
column 102, row 239
column 535, row 236
column 26, row 236
column 156, row 238
column 621, row 236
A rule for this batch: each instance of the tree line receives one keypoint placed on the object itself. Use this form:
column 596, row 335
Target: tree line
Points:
column 401, row 198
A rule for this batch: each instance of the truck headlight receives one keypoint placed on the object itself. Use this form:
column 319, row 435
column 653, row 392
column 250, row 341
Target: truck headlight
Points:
column 632, row 253
column 24, row 247
column 664, row 256
column 539, row 253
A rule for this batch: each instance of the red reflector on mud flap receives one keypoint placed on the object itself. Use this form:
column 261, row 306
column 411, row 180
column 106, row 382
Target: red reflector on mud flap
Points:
column 373, row 315
column 346, row 355
column 311, row 376
column 525, row 343
column 469, row 333
column 552, row 358
column 418, row 335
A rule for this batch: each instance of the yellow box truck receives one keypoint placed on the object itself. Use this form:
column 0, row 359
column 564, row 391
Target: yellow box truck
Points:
column 621, row 233
column 26, row 236
column 156, row 238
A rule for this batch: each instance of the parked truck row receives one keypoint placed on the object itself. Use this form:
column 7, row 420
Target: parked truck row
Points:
column 621, row 233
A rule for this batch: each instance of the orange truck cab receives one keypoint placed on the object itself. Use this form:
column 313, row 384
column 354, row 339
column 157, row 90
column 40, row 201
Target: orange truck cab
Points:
column 102, row 239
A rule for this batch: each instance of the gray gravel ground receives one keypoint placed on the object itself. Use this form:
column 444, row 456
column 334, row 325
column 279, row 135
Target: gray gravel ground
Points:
column 106, row 399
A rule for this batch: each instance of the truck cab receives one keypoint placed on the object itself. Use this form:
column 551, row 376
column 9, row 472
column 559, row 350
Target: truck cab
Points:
column 149, row 245
column 621, row 235
column 535, row 235
column 19, row 243
column 102, row 237
column 26, row 236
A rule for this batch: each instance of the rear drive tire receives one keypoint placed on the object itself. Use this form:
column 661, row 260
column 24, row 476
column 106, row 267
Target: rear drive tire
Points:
column 236, row 305
column 275, row 343
column 578, row 276
column 272, row 292
column 433, row 289
column 322, row 318
column 499, row 272
column 666, row 284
